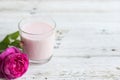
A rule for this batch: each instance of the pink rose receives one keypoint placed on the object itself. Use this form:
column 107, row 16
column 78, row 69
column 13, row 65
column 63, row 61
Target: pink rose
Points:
column 13, row 63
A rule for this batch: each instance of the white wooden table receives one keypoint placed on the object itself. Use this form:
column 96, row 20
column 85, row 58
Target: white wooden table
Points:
column 87, row 37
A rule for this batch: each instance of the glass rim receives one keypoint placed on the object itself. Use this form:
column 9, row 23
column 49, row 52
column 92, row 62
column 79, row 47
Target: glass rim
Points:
column 19, row 27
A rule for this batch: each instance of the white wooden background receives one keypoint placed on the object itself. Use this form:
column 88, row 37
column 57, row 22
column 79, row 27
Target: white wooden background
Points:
column 87, row 37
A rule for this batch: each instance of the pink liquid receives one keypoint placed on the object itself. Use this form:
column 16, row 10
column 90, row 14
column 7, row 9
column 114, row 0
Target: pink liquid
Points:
column 38, row 47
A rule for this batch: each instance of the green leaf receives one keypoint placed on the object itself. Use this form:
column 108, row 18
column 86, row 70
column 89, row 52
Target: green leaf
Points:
column 3, row 46
column 15, row 43
column 6, row 40
column 10, row 40
column 14, row 35
column 4, row 43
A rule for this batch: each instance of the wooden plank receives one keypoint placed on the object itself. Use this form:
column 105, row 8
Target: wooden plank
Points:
column 87, row 37
column 55, row 6
column 105, row 68
column 81, row 34
column 63, row 0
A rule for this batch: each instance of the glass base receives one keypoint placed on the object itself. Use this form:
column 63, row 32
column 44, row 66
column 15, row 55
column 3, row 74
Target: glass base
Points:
column 40, row 61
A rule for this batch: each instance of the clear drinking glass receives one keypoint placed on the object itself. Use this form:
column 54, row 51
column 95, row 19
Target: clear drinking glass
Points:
column 38, row 36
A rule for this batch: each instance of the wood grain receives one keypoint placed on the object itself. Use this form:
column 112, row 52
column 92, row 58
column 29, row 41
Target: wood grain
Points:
column 87, row 37
column 105, row 68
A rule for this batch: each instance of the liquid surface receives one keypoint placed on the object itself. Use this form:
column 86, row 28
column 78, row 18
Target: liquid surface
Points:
column 36, row 28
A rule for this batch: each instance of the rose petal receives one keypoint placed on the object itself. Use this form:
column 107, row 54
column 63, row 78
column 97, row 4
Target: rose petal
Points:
column 8, row 51
column 13, row 50
column 15, row 65
column 1, row 74
column 16, row 50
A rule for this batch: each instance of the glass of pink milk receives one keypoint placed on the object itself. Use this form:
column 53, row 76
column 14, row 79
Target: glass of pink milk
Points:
column 37, row 35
